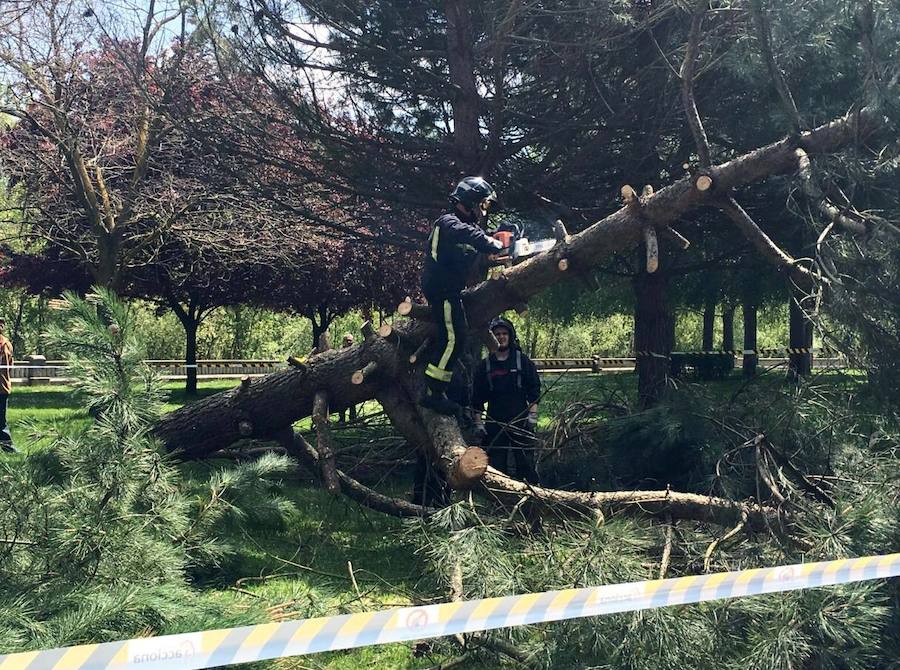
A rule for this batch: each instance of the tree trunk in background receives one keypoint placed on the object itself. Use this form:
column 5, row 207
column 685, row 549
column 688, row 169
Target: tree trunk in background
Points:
column 750, row 360
column 240, row 330
column 801, row 335
column 15, row 336
column 709, row 325
column 800, row 327
column 465, row 100
column 190, row 316
column 728, row 328
column 320, row 320
column 190, row 356
column 654, row 334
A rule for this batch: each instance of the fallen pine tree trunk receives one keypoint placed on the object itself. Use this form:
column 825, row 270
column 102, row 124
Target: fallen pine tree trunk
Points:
column 380, row 366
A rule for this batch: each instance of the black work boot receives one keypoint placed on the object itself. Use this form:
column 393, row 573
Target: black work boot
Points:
column 434, row 397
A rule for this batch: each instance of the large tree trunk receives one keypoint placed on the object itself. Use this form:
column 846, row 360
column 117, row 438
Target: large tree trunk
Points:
column 751, row 360
column 320, row 321
column 190, row 316
column 190, row 356
column 465, row 101
column 269, row 405
column 801, row 334
column 728, row 328
column 800, row 304
column 709, row 325
column 654, row 336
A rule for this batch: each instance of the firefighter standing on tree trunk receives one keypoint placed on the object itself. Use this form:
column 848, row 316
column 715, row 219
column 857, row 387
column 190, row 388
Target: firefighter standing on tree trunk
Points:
column 456, row 240
column 508, row 382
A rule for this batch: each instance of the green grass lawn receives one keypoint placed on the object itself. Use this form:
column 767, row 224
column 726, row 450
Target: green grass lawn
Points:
column 304, row 569
column 298, row 571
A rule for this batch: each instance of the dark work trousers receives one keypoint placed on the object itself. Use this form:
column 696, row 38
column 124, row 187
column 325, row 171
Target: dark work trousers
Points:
column 430, row 489
column 450, row 317
column 5, row 436
column 502, row 439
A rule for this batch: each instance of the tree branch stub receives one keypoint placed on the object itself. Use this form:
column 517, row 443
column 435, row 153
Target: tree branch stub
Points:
column 368, row 331
column 324, row 443
column 360, row 376
column 417, row 354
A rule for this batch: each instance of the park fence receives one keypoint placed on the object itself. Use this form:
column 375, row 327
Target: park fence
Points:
column 37, row 370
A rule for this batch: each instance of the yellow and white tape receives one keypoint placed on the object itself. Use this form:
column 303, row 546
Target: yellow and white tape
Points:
column 213, row 648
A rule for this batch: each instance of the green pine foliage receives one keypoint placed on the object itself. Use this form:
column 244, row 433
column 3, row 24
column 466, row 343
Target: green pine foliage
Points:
column 100, row 538
column 706, row 439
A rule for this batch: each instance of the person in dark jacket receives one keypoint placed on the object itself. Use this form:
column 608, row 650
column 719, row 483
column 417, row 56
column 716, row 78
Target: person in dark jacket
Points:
column 507, row 381
column 457, row 238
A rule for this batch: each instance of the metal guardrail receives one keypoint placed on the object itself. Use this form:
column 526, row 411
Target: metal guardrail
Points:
column 601, row 364
column 37, row 370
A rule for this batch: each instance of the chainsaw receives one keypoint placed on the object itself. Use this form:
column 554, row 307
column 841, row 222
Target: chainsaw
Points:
column 517, row 245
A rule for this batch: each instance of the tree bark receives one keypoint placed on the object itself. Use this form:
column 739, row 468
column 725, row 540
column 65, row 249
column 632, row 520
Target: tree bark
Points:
column 709, row 325
column 660, row 504
column 190, row 316
column 750, row 360
column 320, row 321
column 654, row 335
column 800, row 303
column 800, row 336
column 190, row 356
column 465, row 100
column 728, row 328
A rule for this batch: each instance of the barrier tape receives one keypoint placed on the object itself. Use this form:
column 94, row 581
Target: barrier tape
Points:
column 213, row 648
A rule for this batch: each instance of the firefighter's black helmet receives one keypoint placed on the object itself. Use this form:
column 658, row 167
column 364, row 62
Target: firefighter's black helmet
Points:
column 471, row 192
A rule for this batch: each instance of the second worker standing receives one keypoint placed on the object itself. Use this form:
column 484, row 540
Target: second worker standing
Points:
column 507, row 381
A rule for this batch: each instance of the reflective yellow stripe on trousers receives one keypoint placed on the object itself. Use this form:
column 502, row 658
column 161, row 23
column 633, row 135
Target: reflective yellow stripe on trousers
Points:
column 451, row 336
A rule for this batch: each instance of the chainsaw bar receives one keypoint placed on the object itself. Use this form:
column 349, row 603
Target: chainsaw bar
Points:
column 523, row 247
